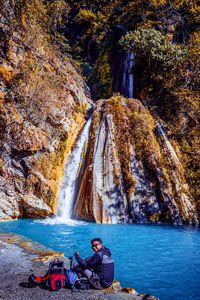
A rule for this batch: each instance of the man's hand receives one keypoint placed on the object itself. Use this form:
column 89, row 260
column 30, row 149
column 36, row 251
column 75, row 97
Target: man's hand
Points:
column 76, row 253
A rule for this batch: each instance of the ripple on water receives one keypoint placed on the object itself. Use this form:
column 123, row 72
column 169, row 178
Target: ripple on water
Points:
column 159, row 259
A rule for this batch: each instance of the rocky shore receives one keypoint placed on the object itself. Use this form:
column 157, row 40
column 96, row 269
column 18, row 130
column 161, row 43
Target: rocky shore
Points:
column 17, row 263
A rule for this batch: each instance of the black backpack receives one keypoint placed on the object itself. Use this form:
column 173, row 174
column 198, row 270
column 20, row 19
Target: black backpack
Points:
column 82, row 284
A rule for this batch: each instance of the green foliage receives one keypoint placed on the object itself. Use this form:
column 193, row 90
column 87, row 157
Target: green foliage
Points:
column 192, row 65
column 155, row 52
column 153, row 45
column 160, row 33
column 87, row 69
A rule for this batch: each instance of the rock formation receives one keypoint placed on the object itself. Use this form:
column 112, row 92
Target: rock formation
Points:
column 133, row 173
column 43, row 103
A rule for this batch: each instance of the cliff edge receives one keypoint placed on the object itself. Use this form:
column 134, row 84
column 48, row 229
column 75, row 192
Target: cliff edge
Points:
column 43, row 103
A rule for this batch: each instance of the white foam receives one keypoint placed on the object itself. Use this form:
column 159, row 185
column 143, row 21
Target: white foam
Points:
column 58, row 220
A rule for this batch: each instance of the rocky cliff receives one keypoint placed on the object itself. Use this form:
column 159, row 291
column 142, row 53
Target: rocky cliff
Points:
column 43, row 103
column 133, row 174
column 134, row 169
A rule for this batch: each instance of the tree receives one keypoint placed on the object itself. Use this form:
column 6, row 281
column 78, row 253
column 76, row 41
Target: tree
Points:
column 156, row 57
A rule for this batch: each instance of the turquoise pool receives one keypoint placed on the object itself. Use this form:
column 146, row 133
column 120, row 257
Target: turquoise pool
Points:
column 163, row 260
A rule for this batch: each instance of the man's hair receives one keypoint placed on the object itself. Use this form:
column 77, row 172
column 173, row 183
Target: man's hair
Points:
column 96, row 240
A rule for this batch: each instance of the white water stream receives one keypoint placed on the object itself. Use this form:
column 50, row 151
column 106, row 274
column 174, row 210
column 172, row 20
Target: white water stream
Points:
column 169, row 146
column 127, row 78
column 67, row 191
column 181, row 186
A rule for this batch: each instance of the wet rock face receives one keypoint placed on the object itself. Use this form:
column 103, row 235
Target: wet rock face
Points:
column 43, row 103
column 101, row 196
column 132, row 174
column 107, row 182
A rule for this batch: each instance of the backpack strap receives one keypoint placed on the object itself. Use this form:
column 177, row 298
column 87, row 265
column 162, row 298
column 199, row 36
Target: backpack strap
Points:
column 36, row 280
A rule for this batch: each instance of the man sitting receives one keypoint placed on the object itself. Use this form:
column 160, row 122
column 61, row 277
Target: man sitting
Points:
column 99, row 268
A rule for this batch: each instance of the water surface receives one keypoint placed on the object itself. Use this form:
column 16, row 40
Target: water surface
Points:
column 163, row 260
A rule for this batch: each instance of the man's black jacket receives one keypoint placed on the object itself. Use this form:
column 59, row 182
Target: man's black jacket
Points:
column 101, row 263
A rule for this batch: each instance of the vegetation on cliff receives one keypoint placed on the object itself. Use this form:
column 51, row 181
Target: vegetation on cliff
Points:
column 165, row 38
column 133, row 174
column 41, row 92
column 43, row 103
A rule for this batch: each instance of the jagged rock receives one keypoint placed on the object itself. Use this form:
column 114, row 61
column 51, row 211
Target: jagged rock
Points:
column 35, row 207
column 43, row 104
column 127, row 179
column 30, row 139
column 129, row 290
column 101, row 195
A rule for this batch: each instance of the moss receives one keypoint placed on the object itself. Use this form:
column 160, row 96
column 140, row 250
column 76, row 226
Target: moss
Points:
column 134, row 127
column 184, row 128
column 50, row 165
column 96, row 119
column 104, row 74
column 154, row 218
column 7, row 73
column 122, row 139
column 59, row 157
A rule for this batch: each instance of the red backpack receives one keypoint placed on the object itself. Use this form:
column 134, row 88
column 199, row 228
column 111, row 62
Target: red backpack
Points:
column 57, row 276
column 54, row 279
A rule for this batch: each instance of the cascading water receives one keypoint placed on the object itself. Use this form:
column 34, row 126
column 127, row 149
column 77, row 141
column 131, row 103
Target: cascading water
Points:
column 181, row 187
column 122, row 65
column 127, row 75
column 68, row 191
column 123, row 76
column 168, row 144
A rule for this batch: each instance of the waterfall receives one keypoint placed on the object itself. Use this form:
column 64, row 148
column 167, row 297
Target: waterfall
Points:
column 127, row 75
column 168, row 144
column 180, row 186
column 67, row 191
column 123, row 76
column 122, row 65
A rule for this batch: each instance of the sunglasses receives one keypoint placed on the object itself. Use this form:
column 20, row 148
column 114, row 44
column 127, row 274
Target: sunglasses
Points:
column 94, row 246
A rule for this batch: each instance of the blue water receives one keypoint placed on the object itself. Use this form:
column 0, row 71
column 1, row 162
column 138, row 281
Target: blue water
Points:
column 160, row 259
